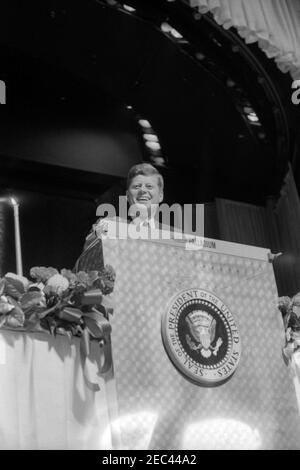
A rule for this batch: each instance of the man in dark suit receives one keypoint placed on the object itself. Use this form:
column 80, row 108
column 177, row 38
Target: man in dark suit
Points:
column 144, row 193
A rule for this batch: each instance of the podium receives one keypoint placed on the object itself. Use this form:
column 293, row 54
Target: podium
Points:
column 184, row 391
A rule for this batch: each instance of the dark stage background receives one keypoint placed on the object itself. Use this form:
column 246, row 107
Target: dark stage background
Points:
column 79, row 77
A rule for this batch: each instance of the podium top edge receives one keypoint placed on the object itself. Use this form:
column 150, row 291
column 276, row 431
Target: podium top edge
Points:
column 195, row 243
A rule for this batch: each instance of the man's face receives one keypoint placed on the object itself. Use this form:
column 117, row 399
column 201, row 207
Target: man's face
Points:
column 144, row 190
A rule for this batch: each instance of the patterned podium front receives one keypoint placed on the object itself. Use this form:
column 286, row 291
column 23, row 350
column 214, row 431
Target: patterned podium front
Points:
column 158, row 406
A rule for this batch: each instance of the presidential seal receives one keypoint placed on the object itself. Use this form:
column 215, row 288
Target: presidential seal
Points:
column 201, row 337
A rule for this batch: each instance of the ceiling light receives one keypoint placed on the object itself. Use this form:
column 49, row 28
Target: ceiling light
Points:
column 144, row 123
column 200, row 56
column 217, row 42
column 176, row 34
column 150, row 137
column 230, row 83
column 160, row 161
column 153, row 145
column 166, row 28
column 112, row 3
column 252, row 117
column 128, row 8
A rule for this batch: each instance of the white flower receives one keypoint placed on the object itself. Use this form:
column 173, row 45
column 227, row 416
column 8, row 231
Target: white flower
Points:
column 58, row 283
column 101, row 229
column 39, row 285
column 19, row 278
column 5, row 306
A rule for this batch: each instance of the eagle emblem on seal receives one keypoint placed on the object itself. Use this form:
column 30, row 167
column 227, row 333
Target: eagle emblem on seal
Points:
column 202, row 328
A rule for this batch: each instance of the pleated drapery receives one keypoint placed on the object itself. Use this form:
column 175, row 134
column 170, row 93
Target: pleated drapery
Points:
column 274, row 24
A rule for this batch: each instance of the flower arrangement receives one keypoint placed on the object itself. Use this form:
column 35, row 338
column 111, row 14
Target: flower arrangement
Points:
column 73, row 304
column 57, row 302
column 290, row 309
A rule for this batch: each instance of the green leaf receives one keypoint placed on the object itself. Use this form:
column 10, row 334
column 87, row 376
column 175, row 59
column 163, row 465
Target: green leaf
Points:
column 14, row 320
column 44, row 323
column 92, row 277
column 31, row 322
column 34, row 314
column 108, row 303
column 2, row 320
column 16, row 316
column 64, row 331
column 46, row 312
column 31, row 299
column 76, row 330
column 94, row 329
column 41, row 273
column 2, row 286
column 5, row 307
column 14, row 288
column 49, row 324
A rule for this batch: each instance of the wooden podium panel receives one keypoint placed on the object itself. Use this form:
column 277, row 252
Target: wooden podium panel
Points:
column 158, row 407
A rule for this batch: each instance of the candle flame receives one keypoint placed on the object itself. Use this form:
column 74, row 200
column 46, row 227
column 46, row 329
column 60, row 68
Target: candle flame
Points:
column 13, row 201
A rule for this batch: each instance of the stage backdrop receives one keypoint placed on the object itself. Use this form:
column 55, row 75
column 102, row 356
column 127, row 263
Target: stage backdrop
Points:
column 158, row 407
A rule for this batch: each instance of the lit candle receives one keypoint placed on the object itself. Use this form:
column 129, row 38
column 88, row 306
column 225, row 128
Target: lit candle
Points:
column 17, row 236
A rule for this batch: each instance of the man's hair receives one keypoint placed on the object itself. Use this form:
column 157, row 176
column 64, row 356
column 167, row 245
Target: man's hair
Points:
column 147, row 170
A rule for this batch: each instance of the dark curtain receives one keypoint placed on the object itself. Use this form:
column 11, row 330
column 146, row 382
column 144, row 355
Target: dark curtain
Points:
column 53, row 229
column 287, row 216
column 242, row 223
column 275, row 226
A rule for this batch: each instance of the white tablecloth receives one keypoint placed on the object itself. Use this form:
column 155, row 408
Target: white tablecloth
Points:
column 45, row 403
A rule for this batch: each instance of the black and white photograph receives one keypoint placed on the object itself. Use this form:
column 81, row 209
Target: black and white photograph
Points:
column 149, row 227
